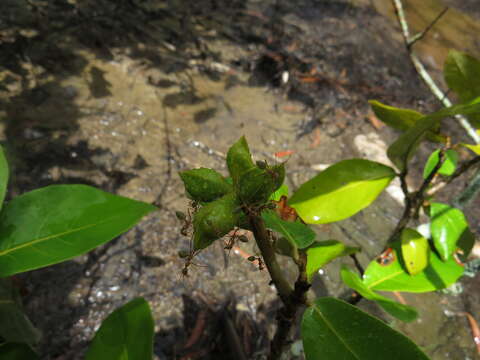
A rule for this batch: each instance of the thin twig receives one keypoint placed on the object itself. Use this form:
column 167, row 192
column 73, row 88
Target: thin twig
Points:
column 422, row 72
column 357, row 264
column 422, row 34
column 413, row 201
column 463, row 168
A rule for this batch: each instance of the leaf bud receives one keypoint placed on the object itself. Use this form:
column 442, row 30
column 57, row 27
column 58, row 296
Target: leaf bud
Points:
column 183, row 253
column 261, row 164
column 180, row 215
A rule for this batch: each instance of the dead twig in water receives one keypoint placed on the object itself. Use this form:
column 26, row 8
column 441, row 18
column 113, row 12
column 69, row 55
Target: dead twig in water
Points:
column 422, row 72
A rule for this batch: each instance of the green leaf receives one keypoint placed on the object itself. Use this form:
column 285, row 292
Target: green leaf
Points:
column 282, row 191
column 322, row 252
column 474, row 148
column 341, row 190
column 3, row 176
column 204, row 184
column 462, row 74
column 397, row 118
column 448, row 166
column 56, row 223
column 17, row 351
column 239, row 159
column 14, row 324
column 127, row 333
column 465, row 244
column 393, row 277
column 447, row 226
column 400, row 311
column 404, row 147
column 402, row 119
column 415, row 251
column 296, row 232
column 333, row 329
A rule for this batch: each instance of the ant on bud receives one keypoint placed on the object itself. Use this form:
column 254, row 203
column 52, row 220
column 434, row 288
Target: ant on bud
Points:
column 187, row 218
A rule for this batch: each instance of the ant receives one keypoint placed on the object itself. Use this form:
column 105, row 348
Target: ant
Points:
column 187, row 218
column 258, row 260
column 188, row 256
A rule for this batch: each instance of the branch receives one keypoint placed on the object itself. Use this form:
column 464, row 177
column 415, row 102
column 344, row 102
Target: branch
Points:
column 467, row 195
column 413, row 201
column 422, row 72
column 422, row 34
column 286, row 315
column 292, row 299
column 463, row 168
column 269, row 257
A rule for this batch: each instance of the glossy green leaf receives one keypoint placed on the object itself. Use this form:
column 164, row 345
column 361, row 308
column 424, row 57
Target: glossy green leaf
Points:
column 3, row 176
column 403, row 312
column 17, row 351
column 127, row 333
column 465, row 244
column 295, row 232
column 401, row 119
column 449, row 163
column 397, row 118
column 333, row 329
column 393, row 277
column 415, row 250
column 215, row 220
column 204, row 184
column 282, row 191
column 56, row 223
column 322, row 252
column 474, row 148
column 239, row 159
column 341, row 190
column 14, row 323
column 447, row 226
column 404, row 147
column 462, row 75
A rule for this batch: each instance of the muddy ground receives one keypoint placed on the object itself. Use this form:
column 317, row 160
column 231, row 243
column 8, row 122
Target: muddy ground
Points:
column 124, row 94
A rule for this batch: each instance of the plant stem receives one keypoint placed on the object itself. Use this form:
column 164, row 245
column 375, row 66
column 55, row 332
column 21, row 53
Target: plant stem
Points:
column 268, row 253
column 292, row 299
column 413, row 201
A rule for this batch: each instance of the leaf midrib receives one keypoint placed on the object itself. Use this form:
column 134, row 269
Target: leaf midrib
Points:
column 40, row 240
column 330, row 326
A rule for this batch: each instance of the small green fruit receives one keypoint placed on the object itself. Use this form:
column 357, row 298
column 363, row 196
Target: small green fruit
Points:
column 256, row 185
column 214, row 220
column 415, row 251
column 205, row 184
